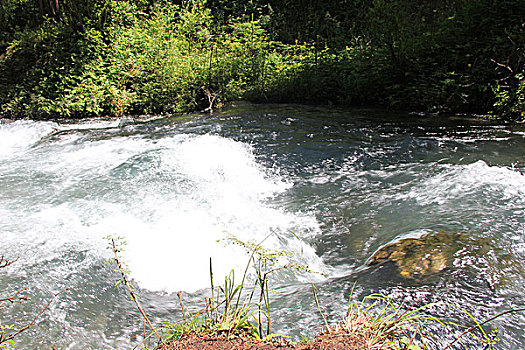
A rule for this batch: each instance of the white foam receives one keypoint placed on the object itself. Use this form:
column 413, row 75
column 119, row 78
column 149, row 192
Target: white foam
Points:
column 455, row 182
column 171, row 199
column 18, row 136
column 223, row 190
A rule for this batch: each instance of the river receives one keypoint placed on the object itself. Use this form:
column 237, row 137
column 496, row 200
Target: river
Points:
column 331, row 186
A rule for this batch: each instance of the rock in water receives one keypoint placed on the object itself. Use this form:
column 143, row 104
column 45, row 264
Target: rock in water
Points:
column 424, row 255
column 123, row 122
column 478, row 257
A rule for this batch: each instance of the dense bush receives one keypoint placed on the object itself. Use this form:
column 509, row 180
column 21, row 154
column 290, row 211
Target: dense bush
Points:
column 170, row 59
column 58, row 67
column 103, row 57
column 176, row 60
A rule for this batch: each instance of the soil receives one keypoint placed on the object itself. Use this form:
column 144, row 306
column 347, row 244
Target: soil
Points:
column 325, row 341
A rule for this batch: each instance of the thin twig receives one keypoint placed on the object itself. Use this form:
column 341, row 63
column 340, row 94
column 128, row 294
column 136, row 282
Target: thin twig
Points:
column 179, row 294
column 133, row 296
column 267, row 304
column 15, row 298
column 5, row 262
column 30, row 324
column 481, row 324
column 314, row 290
column 502, row 65
column 262, row 282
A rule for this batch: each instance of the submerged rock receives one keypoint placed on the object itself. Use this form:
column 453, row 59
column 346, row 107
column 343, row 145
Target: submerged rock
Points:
column 423, row 255
column 472, row 256
column 123, row 122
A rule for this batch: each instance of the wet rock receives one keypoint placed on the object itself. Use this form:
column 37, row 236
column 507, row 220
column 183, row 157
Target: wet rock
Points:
column 418, row 256
column 123, row 122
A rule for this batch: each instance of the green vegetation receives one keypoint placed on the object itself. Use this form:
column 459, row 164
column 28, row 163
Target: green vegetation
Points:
column 386, row 325
column 103, row 57
column 239, row 310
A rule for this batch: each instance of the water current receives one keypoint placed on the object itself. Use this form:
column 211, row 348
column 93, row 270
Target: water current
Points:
column 331, row 186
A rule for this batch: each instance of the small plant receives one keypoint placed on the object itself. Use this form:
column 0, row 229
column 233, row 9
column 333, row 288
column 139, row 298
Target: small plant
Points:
column 386, row 327
column 377, row 323
column 238, row 310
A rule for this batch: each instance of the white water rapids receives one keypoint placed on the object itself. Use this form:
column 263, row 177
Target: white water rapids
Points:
column 171, row 201
column 330, row 187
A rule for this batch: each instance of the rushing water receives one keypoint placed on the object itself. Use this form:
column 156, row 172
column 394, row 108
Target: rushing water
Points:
column 344, row 182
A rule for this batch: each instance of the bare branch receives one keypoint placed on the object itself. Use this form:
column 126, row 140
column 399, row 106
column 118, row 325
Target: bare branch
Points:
column 130, row 290
column 30, row 324
column 502, row 65
column 5, row 262
column 15, row 298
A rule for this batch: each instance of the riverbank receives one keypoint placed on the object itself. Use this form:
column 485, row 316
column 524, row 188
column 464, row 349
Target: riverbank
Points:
column 335, row 340
column 360, row 329
column 149, row 57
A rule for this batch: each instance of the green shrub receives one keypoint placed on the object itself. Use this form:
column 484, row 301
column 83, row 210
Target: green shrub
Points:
column 102, row 57
column 510, row 99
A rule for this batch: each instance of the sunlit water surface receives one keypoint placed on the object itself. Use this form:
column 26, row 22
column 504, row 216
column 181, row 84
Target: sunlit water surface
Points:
column 174, row 189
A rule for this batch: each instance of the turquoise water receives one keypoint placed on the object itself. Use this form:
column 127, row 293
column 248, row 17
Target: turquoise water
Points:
column 346, row 182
